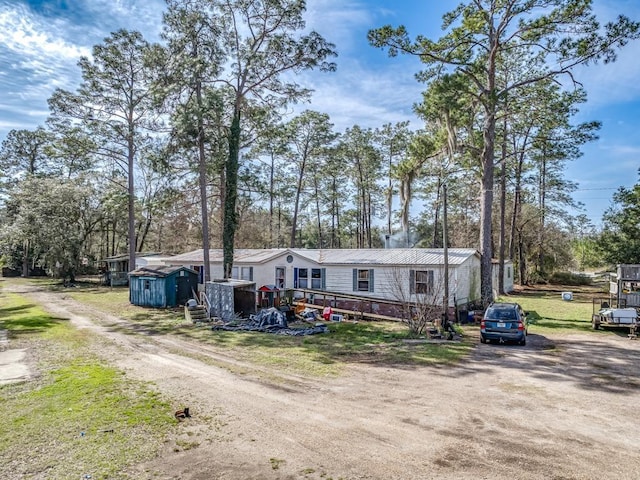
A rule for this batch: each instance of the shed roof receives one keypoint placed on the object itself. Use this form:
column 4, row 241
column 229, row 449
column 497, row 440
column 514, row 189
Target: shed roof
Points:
column 234, row 283
column 360, row 256
column 159, row 272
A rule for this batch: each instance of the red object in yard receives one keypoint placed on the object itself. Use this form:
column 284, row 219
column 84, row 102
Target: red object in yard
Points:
column 326, row 313
column 268, row 296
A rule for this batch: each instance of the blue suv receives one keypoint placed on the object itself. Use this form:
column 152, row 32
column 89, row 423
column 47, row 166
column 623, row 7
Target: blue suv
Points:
column 504, row 322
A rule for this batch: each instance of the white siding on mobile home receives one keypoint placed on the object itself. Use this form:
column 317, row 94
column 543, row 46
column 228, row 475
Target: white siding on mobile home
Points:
column 391, row 274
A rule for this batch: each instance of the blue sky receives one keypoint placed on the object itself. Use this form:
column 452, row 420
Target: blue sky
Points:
column 43, row 39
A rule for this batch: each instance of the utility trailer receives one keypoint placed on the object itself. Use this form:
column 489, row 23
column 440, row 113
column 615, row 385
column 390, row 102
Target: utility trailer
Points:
column 605, row 316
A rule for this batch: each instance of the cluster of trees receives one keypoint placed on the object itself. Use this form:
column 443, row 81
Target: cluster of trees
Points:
column 187, row 137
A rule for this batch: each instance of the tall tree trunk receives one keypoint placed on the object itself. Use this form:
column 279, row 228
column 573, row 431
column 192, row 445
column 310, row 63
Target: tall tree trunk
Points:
column 541, row 207
column 296, row 203
column 338, row 228
column 486, row 200
column 486, row 206
column 25, row 259
column 113, row 237
column 131, row 197
column 271, row 200
column 515, row 214
column 436, row 216
column 335, row 215
column 503, row 205
column 143, row 236
column 231, row 193
column 390, row 192
column 522, row 261
column 159, row 237
column 405, row 200
column 369, row 219
column 202, row 182
column 316, row 189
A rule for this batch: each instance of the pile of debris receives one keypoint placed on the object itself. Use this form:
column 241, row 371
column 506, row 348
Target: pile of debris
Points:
column 271, row 320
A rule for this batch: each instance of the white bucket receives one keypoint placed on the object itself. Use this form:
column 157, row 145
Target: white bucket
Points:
column 567, row 296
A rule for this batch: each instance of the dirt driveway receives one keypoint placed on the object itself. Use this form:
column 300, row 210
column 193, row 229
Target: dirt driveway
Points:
column 563, row 407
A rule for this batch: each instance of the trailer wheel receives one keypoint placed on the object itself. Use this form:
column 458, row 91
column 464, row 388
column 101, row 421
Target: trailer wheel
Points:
column 596, row 324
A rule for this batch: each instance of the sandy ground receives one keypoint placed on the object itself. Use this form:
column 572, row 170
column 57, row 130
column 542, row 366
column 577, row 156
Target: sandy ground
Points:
column 507, row 412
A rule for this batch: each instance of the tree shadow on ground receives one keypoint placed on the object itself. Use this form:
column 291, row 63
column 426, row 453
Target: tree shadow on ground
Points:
column 595, row 361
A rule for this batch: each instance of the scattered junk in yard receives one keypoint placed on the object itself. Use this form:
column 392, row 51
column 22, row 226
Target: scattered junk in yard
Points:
column 309, row 314
column 232, row 307
column 236, row 305
column 567, row 296
column 271, row 320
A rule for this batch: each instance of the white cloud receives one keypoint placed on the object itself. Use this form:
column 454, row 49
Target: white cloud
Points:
column 40, row 48
column 26, row 35
column 15, row 124
column 362, row 94
column 624, row 150
column 616, row 82
column 368, row 89
column 142, row 15
column 337, row 20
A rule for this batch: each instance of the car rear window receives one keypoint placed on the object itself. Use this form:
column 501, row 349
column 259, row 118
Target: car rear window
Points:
column 500, row 314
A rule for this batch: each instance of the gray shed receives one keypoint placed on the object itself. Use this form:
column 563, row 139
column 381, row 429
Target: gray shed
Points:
column 228, row 297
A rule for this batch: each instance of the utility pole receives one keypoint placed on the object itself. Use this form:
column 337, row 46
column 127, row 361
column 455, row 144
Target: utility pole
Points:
column 445, row 241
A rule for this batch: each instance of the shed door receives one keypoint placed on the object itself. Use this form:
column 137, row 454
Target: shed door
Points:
column 183, row 286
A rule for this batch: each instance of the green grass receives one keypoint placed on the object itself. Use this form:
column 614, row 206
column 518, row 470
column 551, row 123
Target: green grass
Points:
column 80, row 416
column 328, row 354
column 315, row 355
column 547, row 312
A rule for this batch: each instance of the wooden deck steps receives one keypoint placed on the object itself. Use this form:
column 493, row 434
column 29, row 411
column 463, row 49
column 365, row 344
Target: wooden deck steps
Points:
column 196, row 314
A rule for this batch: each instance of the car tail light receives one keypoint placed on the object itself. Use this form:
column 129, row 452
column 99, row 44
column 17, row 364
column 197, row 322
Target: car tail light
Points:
column 483, row 324
column 520, row 326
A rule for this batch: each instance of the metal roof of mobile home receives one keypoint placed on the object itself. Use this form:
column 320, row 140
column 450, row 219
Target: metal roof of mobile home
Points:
column 241, row 255
column 387, row 256
column 359, row 256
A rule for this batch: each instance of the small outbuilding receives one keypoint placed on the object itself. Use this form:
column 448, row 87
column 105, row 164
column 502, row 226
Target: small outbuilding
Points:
column 230, row 298
column 162, row 287
column 268, row 296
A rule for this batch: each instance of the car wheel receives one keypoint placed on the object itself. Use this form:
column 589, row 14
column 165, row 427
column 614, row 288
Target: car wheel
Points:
column 483, row 340
column 523, row 341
